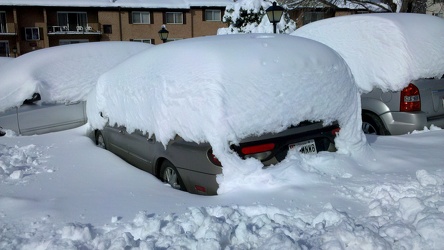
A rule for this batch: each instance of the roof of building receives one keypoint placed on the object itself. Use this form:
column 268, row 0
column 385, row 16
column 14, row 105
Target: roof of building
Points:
column 176, row 4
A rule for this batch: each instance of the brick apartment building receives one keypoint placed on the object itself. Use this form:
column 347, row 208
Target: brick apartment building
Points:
column 27, row 25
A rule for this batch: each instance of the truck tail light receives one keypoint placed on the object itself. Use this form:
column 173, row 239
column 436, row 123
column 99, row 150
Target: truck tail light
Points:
column 410, row 99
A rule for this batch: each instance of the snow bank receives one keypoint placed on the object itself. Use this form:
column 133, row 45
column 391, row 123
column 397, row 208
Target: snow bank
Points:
column 220, row 98
column 4, row 60
column 386, row 50
column 61, row 73
column 16, row 162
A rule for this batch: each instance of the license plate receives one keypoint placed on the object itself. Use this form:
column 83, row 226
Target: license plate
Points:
column 306, row 147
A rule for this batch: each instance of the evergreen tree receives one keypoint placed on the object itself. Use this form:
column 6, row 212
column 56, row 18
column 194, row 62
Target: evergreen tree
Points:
column 249, row 16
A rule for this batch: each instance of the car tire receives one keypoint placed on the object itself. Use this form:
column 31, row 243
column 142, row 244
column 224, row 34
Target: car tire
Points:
column 372, row 124
column 100, row 140
column 169, row 174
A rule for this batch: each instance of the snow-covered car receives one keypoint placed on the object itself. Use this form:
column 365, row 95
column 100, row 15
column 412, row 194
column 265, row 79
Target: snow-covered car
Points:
column 242, row 104
column 419, row 105
column 192, row 167
column 399, row 75
column 37, row 117
column 61, row 77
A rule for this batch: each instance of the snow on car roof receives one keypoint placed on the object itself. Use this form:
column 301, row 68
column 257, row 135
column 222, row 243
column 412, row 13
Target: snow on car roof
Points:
column 220, row 89
column 385, row 50
column 61, row 73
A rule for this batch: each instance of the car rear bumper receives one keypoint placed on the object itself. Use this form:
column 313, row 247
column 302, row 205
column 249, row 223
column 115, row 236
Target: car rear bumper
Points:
column 398, row 123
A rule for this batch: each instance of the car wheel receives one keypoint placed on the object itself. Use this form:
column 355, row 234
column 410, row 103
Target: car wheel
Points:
column 372, row 124
column 100, row 141
column 169, row 174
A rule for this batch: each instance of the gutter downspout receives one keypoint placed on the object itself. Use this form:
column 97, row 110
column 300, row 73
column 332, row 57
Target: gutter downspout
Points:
column 120, row 24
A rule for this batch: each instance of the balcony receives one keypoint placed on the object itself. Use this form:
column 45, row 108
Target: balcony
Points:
column 7, row 29
column 74, row 29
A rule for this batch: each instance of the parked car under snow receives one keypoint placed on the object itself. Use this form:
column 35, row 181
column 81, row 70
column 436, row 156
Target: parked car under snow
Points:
column 419, row 105
column 397, row 72
column 37, row 117
column 241, row 104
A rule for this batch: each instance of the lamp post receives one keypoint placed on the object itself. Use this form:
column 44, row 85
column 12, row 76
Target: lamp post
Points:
column 274, row 14
column 163, row 34
column 14, row 50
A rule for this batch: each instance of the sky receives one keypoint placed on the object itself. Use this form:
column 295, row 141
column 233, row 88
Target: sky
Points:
column 59, row 191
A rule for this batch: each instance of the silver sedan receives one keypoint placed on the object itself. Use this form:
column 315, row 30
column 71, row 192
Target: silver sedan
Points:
column 35, row 117
column 192, row 167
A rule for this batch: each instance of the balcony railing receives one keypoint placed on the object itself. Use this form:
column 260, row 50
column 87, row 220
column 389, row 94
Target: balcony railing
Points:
column 57, row 30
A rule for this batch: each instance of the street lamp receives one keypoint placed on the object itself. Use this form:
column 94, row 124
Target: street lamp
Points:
column 14, row 50
column 274, row 14
column 163, row 34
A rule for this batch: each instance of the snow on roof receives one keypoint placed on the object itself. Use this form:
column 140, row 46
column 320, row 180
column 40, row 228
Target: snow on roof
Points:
column 177, row 4
column 385, row 50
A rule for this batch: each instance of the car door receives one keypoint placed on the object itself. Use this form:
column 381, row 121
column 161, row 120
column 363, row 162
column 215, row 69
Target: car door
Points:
column 39, row 118
column 116, row 140
column 140, row 150
column 9, row 120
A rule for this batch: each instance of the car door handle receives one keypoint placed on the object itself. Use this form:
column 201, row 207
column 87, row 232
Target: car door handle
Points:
column 71, row 103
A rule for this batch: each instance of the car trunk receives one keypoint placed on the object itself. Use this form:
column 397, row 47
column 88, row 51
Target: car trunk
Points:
column 270, row 148
column 432, row 99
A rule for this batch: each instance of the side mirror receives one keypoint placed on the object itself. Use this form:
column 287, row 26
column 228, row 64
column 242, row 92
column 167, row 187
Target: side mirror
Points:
column 35, row 97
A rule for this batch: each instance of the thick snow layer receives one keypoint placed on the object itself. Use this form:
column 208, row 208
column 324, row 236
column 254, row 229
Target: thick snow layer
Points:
column 222, row 97
column 62, row 73
column 384, row 50
column 59, row 191
column 4, row 60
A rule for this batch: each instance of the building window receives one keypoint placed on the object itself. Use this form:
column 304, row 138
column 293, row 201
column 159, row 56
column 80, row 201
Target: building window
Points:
column 72, row 21
column 174, row 17
column 4, row 48
column 313, row 16
column 32, row 33
column 150, row 41
column 72, row 41
column 213, row 15
column 3, row 22
column 141, row 17
column 107, row 29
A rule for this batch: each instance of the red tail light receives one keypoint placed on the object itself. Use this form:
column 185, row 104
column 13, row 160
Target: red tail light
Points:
column 213, row 158
column 257, row 149
column 410, row 99
column 335, row 131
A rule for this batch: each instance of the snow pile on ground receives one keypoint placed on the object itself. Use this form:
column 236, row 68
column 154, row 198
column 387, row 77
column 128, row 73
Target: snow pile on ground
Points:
column 4, row 60
column 391, row 45
column 17, row 162
column 222, row 98
column 394, row 202
column 61, row 73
